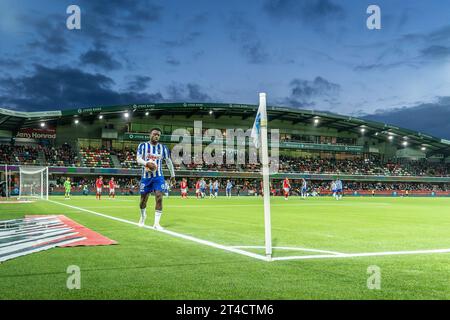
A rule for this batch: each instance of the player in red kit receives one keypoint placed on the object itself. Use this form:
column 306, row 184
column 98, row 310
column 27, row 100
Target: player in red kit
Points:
column 99, row 186
column 197, row 189
column 112, row 188
column 184, row 188
column 286, row 188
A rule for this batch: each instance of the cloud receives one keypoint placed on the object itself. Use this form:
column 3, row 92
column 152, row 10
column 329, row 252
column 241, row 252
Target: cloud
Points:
column 244, row 34
column 307, row 93
column 64, row 88
column 386, row 66
column 101, row 59
column 129, row 18
column 309, row 12
column 139, row 83
column 50, row 37
column 10, row 63
column 172, row 61
column 184, row 40
column 432, row 118
column 187, row 92
column 436, row 52
column 101, row 21
column 188, row 32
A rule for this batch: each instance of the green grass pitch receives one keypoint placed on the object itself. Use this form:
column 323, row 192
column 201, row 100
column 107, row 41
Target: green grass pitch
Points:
column 147, row 264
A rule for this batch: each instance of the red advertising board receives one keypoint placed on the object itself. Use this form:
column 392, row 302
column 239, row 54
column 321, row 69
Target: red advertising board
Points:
column 32, row 133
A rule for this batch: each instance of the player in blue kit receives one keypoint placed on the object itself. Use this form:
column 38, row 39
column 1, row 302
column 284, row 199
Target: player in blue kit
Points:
column 333, row 188
column 202, row 187
column 216, row 188
column 151, row 155
column 304, row 188
column 211, row 194
column 228, row 188
column 339, row 189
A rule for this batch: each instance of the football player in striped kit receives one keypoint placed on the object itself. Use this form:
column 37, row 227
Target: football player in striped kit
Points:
column 151, row 155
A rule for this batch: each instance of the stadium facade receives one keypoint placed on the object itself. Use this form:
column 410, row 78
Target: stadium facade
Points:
column 102, row 140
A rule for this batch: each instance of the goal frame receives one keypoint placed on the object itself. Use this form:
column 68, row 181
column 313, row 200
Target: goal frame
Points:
column 43, row 189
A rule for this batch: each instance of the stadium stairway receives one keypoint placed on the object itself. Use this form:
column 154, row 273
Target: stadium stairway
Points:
column 115, row 161
column 41, row 158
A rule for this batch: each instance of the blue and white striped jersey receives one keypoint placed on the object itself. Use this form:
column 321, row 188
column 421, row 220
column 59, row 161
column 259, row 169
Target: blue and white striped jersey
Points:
column 157, row 153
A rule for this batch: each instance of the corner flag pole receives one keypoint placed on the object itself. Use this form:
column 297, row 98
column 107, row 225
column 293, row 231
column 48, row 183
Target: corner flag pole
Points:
column 265, row 174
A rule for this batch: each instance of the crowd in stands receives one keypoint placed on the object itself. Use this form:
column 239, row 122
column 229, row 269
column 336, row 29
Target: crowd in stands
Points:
column 370, row 166
column 19, row 154
column 127, row 158
column 65, row 155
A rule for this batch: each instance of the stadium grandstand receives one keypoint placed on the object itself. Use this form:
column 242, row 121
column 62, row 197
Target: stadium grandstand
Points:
column 371, row 158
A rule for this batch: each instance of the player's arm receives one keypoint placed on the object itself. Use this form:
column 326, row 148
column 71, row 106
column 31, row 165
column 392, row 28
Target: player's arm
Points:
column 140, row 155
column 169, row 165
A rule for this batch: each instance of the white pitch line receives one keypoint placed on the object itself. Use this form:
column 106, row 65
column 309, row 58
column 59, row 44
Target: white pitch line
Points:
column 257, row 256
column 174, row 234
column 364, row 254
column 290, row 248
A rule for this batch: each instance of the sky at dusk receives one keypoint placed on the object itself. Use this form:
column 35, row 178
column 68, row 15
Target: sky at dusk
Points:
column 310, row 54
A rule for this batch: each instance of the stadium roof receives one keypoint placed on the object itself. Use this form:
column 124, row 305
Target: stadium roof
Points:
column 13, row 120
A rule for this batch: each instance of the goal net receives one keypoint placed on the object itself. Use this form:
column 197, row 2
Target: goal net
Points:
column 33, row 182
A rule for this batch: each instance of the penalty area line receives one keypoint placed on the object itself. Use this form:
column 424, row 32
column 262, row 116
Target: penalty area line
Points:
column 172, row 233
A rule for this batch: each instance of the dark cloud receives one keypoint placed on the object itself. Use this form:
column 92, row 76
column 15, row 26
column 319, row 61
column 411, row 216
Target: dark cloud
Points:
column 189, row 32
column 244, row 34
column 386, row 66
column 255, row 52
column 198, row 54
column 190, row 92
column 139, row 83
column 51, row 37
column 63, row 88
column 172, row 61
column 101, row 21
column 182, row 41
column 101, row 59
column 309, row 12
column 10, row 63
column 307, row 93
column 118, row 18
column 436, row 52
column 431, row 118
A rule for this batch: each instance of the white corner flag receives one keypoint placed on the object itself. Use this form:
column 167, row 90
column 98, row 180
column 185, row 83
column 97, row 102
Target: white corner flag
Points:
column 259, row 136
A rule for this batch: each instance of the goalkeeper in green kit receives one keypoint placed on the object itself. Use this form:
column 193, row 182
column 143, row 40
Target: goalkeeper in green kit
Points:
column 68, row 187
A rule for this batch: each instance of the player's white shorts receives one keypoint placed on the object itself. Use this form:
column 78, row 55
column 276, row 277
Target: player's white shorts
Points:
column 183, row 190
column 286, row 190
column 197, row 190
column 99, row 190
column 112, row 190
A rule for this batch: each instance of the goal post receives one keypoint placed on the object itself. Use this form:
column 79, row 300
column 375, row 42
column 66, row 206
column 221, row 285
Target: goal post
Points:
column 33, row 182
column 4, row 183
